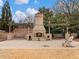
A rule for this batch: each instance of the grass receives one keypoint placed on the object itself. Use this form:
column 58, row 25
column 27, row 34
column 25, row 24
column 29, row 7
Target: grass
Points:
column 62, row 53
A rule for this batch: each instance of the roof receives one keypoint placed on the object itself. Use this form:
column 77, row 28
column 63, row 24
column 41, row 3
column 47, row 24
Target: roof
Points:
column 24, row 25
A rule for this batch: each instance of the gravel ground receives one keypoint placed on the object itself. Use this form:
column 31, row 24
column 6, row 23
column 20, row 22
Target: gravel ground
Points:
column 21, row 43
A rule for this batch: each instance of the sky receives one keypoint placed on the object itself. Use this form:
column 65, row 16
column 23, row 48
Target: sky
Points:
column 22, row 8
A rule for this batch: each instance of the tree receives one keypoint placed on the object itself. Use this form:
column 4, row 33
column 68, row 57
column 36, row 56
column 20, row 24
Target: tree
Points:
column 6, row 16
column 47, row 16
column 0, row 22
column 70, row 8
column 58, row 23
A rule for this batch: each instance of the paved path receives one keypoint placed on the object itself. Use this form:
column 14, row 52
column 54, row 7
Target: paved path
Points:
column 34, row 44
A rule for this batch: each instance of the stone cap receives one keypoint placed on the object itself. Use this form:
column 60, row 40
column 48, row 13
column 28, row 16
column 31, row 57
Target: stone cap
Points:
column 39, row 14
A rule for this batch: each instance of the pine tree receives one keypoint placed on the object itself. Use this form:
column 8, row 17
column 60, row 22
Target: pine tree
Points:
column 6, row 16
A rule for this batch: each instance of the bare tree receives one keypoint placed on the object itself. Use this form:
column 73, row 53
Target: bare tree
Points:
column 69, row 6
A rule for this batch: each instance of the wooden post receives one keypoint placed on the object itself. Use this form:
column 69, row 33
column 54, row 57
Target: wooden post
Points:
column 49, row 26
column 67, row 29
column 9, row 35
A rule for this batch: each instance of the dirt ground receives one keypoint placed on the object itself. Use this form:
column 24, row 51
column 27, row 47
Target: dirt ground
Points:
column 22, row 43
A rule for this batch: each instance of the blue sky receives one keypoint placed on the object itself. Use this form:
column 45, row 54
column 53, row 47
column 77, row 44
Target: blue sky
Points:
column 24, row 7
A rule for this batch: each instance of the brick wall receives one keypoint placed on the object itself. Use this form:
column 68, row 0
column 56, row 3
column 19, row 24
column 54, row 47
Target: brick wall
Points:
column 21, row 32
column 3, row 36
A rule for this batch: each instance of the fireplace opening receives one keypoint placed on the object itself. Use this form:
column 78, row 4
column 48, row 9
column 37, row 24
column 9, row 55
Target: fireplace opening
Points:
column 30, row 38
column 48, row 37
column 39, row 35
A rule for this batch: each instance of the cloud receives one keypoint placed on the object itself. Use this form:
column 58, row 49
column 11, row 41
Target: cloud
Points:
column 21, row 1
column 19, row 15
column 36, row 1
column 31, row 11
column 1, row 3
